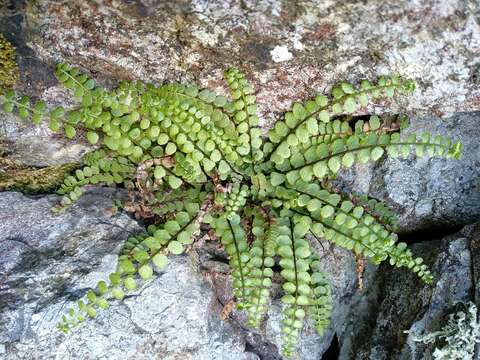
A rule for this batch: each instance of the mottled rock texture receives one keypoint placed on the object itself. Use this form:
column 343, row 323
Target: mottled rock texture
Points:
column 433, row 42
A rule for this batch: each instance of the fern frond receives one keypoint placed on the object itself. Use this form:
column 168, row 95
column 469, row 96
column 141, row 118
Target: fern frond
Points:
column 320, row 308
column 234, row 240
column 233, row 200
column 245, row 115
column 294, row 252
column 327, row 159
column 260, row 265
column 377, row 209
column 210, row 128
column 103, row 171
column 365, row 239
column 346, row 100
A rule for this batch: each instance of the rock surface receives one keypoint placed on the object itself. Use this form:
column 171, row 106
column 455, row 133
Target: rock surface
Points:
column 288, row 48
column 427, row 193
column 50, row 261
column 395, row 301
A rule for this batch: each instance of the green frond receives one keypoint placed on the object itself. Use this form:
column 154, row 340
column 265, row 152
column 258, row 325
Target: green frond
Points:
column 174, row 200
column 260, row 265
column 245, row 115
column 104, row 170
column 234, row 240
column 234, row 200
column 326, row 159
column 294, row 252
column 137, row 261
column 301, row 122
column 320, row 308
column 377, row 209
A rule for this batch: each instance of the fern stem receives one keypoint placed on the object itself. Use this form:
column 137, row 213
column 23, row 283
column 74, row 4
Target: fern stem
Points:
column 294, row 259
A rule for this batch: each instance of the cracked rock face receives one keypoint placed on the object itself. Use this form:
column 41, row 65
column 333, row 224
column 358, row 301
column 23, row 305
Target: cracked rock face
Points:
column 395, row 302
column 48, row 261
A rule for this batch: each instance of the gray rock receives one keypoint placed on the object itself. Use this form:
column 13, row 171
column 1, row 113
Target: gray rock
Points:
column 427, row 193
column 36, row 145
column 395, row 301
column 49, row 261
column 288, row 48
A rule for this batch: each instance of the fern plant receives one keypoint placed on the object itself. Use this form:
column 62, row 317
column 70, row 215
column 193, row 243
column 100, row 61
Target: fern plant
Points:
column 193, row 157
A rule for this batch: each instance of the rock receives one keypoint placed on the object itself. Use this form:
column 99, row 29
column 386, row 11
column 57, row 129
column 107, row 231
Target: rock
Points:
column 475, row 250
column 427, row 193
column 36, row 145
column 290, row 51
column 395, row 301
column 325, row 42
column 49, row 261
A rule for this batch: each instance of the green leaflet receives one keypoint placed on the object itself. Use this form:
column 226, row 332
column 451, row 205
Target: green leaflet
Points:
column 194, row 158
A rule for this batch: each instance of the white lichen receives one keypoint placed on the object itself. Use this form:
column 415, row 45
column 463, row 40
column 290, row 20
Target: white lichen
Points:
column 460, row 334
column 281, row 53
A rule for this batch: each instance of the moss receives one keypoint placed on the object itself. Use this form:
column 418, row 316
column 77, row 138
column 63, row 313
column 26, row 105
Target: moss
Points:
column 8, row 66
column 15, row 176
